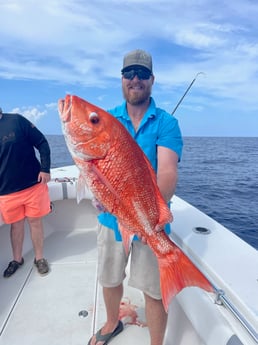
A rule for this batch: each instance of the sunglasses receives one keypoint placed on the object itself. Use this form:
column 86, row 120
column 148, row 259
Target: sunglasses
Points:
column 142, row 74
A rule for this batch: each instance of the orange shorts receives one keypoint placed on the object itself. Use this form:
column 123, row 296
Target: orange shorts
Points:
column 31, row 202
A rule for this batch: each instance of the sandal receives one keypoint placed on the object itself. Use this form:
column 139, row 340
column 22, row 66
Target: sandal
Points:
column 12, row 268
column 107, row 337
column 42, row 266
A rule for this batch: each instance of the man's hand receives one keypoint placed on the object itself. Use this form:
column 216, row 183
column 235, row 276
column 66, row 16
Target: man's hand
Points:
column 43, row 177
column 98, row 205
column 143, row 239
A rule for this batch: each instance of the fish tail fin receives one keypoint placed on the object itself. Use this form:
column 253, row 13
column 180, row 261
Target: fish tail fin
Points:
column 178, row 272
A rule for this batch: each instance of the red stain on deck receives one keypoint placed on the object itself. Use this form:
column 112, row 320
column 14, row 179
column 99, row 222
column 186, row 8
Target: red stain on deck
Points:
column 128, row 314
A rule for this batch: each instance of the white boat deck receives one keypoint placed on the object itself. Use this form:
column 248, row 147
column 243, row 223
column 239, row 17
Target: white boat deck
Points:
column 45, row 310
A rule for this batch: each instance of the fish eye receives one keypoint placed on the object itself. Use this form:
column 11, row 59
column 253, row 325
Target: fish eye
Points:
column 94, row 118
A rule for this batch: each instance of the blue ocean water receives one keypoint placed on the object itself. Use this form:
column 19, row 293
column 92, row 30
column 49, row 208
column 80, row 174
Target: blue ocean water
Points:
column 217, row 175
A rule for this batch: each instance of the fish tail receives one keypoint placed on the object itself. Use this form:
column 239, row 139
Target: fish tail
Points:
column 178, row 272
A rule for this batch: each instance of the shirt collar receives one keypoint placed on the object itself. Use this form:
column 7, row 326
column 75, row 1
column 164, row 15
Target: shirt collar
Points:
column 150, row 113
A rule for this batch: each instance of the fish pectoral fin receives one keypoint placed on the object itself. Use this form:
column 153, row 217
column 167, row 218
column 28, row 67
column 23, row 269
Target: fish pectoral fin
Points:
column 81, row 189
column 104, row 180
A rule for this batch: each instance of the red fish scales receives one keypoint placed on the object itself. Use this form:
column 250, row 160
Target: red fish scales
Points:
column 123, row 181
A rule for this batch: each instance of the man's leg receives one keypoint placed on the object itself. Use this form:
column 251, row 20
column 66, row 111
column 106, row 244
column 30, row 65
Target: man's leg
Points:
column 17, row 238
column 144, row 275
column 37, row 236
column 156, row 318
column 112, row 299
column 112, row 261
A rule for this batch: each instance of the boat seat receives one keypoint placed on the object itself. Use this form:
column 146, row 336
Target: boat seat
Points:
column 65, row 188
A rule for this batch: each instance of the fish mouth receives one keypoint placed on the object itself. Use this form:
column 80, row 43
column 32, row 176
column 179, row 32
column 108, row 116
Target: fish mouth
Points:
column 64, row 108
column 61, row 105
column 71, row 123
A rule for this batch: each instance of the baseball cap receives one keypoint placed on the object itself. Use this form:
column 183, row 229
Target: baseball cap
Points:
column 137, row 57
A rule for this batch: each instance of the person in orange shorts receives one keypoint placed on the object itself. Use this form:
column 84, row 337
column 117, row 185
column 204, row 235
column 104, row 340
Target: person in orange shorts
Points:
column 23, row 186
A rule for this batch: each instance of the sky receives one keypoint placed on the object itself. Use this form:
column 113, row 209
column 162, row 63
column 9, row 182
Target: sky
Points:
column 52, row 48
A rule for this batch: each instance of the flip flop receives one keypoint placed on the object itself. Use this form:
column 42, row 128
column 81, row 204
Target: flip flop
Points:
column 107, row 337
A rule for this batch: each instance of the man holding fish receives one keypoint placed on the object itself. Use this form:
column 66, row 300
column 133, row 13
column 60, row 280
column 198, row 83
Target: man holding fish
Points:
column 159, row 136
column 128, row 159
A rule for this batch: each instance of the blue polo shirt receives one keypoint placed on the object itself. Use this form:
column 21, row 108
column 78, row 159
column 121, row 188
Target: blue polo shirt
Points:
column 157, row 128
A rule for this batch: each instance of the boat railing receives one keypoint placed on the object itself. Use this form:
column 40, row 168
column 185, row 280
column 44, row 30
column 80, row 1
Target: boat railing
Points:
column 221, row 299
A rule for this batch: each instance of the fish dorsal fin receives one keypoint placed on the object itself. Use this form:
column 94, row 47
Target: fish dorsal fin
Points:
column 151, row 170
column 127, row 237
column 165, row 214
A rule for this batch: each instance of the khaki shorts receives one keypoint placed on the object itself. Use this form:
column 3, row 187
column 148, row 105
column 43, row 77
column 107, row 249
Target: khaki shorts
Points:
column 112, row 262
column 31, row 202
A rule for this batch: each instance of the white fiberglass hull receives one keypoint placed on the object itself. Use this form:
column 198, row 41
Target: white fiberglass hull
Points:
column 66, row 306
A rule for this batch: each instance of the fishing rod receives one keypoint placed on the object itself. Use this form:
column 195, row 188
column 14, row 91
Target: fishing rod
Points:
column 189, row 87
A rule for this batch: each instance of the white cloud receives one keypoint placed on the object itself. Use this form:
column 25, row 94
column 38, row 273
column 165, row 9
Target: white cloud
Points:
column 33, row 114
column 82, row 42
